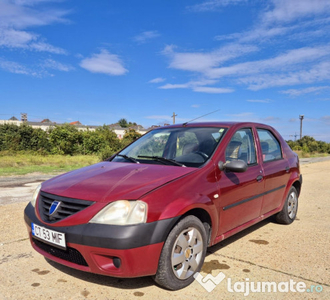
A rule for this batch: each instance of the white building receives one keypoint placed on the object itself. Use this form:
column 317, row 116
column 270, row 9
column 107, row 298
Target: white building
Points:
column 47, row 124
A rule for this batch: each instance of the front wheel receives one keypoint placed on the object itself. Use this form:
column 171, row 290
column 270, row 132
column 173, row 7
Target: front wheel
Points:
column 290, row 208
column 183, row 254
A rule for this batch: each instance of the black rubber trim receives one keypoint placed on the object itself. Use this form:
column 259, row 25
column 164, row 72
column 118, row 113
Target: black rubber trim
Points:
column 109, row 236
column 301, row 179
column 252, row 198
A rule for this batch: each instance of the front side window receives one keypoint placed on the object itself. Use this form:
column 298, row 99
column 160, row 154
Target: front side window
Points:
column 242, row 147
column 270, row 146
column 189, row 146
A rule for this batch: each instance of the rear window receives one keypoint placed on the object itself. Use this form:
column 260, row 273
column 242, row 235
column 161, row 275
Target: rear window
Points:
column 270, row 146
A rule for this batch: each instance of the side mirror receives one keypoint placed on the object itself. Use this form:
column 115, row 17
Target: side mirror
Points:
column 236, row 166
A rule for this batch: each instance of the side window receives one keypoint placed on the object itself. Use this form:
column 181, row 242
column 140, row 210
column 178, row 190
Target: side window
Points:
column 270, row 146
column 242, row 147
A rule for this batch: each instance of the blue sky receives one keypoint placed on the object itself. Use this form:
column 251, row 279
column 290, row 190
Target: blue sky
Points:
column 99, row 61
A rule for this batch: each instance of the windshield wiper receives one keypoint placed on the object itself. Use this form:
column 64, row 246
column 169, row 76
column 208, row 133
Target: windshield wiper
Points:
column 129, row 158
column 163, row 159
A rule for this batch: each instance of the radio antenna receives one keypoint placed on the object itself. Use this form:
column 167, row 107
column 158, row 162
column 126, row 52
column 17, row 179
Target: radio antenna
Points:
column 184, row 124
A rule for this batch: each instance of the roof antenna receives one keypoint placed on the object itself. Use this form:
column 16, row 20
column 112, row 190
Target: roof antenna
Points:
column 184, row 124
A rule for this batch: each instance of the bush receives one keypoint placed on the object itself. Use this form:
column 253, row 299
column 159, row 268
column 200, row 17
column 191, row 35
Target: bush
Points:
column 130, row 136
column 309, row 145
column 62, row 139
column 106, row 153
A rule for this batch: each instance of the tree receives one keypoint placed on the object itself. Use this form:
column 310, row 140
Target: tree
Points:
column 123, row 123
column 109, row 137
column 65, row 139
column 129, row 136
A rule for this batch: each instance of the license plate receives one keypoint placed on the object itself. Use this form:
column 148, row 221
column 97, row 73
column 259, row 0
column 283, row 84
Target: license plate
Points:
column 50, row 236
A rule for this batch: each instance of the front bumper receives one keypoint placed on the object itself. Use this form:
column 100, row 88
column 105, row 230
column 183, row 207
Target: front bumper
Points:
column 119, row 251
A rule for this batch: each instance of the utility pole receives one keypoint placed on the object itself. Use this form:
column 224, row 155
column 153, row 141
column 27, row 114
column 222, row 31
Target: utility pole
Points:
column 174, row 115
column 301, row 117
column 294, row 135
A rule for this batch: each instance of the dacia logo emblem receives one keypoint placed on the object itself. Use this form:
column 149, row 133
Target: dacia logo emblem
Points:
column 54, row 207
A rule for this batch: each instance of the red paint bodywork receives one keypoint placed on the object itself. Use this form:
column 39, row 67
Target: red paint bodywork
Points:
column 172, row 191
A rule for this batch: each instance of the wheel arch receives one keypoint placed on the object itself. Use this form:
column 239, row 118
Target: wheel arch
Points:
column 204, row 217
column 297, row 185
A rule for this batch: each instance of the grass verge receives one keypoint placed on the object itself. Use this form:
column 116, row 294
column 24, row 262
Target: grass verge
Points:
column 302, row 154
column 21, row 164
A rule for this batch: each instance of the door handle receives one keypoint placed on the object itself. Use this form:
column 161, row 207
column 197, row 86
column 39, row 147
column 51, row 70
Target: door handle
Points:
column 259, row 178
column 287, row 169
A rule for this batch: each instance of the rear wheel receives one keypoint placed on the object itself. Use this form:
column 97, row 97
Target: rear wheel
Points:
column 183, row 254
column 290, row 208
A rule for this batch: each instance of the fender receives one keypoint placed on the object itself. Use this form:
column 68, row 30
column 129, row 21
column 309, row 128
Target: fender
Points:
column 181, row 207
column 295, row 177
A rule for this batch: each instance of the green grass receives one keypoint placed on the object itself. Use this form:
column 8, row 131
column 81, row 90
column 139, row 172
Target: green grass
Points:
column 302, row 154
column 21, row 164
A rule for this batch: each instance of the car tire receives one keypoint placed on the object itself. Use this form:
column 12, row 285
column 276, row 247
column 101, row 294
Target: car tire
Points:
column 289, row 211
column 183, row 254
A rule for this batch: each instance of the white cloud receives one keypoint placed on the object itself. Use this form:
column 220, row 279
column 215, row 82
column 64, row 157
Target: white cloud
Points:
column 105, row 63
column 13, row 67
column 198, row 86
column 15, row 38
column 169, row 86
column 319, row 72
column 157, row 80
column 259, row 101
column 44, row 47
column 16, row 68
column 195, row 106
column 145, row 36
column 286, row 11
column 296, row 66
column 259, row 33
column 52, row 64
column 280, row 24
column 16, row 16
column 298, row 92
column 204, row 61
column 212, row 90
column 280, row 62
column 212, row 5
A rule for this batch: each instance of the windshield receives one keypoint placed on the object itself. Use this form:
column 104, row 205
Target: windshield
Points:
column 185, row 146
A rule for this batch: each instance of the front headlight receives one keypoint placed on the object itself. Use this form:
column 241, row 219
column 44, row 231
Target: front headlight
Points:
column 35, row 195
column 122, row 212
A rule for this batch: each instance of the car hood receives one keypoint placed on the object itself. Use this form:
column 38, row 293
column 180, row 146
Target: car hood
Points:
column 109, row 181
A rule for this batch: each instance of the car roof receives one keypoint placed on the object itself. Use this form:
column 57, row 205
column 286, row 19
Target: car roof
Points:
column 217, row 124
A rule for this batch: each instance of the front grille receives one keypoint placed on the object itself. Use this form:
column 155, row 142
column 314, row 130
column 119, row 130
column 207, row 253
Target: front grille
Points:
column 67, row 207
column 70, row 254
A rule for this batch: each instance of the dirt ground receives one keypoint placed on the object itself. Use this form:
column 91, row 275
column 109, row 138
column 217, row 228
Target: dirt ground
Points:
column 291, row 256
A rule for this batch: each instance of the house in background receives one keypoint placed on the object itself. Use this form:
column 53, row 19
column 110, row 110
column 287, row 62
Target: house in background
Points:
column 46, row 124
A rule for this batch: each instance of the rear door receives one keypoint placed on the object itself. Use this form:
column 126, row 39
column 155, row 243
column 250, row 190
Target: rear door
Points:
column 275, row 168
column 240, row 193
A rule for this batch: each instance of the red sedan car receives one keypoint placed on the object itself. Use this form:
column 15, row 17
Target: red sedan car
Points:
column 154, row 207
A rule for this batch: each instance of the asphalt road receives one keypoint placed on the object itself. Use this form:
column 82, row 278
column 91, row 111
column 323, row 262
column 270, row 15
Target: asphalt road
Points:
column 289, row 257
